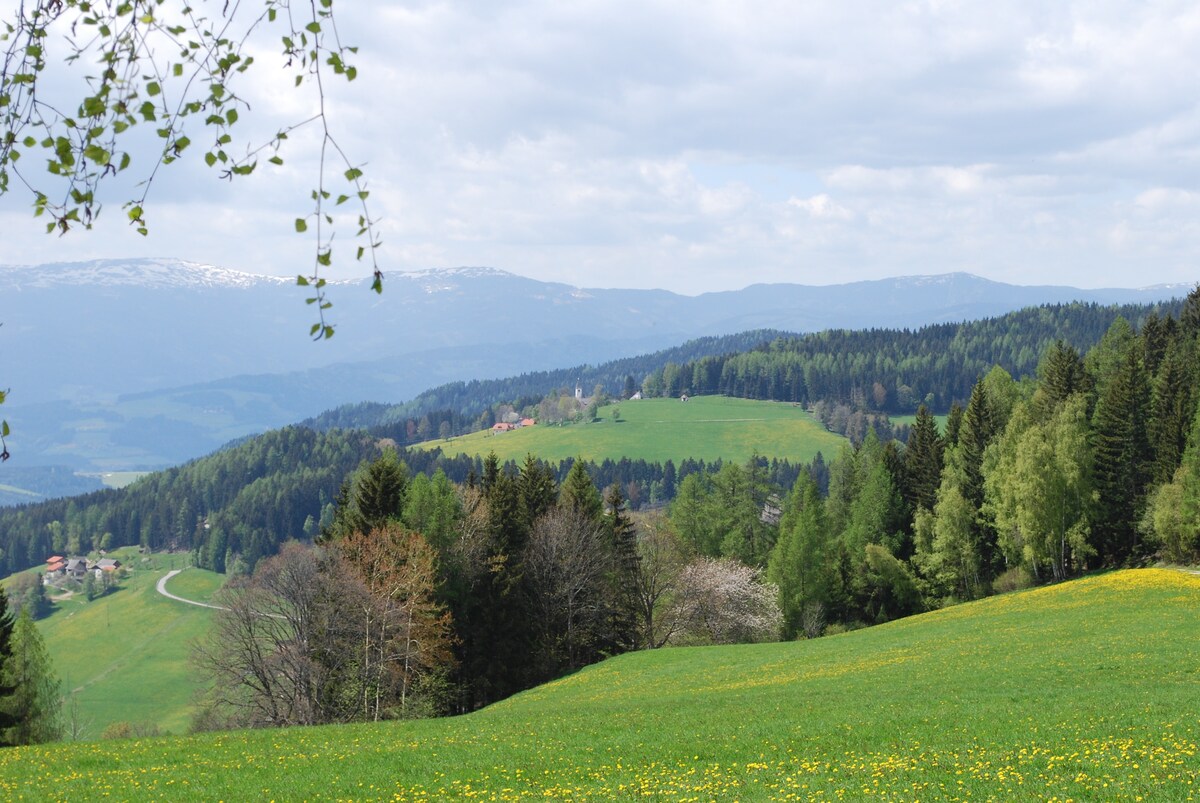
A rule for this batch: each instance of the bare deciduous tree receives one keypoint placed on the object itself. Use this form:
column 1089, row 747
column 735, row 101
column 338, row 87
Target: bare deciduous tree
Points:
column 663, row 557
column 565, row 562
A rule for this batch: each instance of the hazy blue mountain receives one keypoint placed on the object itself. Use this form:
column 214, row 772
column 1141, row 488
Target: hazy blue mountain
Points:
column 119, row 364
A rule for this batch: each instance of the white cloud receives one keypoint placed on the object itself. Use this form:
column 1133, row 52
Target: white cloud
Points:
column 703, row 146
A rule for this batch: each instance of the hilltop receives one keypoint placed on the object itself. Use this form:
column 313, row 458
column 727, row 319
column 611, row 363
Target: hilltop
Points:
column 1082, row 690
column 657, row 430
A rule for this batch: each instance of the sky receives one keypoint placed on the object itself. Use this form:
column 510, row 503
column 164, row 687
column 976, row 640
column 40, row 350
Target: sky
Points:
column 701, row 146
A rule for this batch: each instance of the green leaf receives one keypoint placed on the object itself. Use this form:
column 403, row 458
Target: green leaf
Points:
column 275, row 160
column 316, row 327
column 313, row 27
column 210, row 158
column 4, row 430
column 152, row 88
column 135, row 213
column 301, row 225
column 353, row 173
column 302, row 281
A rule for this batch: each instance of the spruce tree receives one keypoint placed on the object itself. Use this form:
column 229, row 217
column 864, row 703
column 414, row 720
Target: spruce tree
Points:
column 1123, row 461
column 799, row 563
column 579, row 492
column 1172, row 401
column 923, row 462
column 979, row 427
column 1062, row 374
column 536, row 488
column 622, row 574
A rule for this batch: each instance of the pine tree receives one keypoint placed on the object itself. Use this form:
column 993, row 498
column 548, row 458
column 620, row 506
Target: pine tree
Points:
column 34, row 703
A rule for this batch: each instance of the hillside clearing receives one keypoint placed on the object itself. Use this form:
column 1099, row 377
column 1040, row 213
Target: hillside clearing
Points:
column 124, row 657
column 1084, row 690
column 657, row 430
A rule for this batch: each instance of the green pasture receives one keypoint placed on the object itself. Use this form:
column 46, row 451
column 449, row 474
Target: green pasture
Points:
column 124, row 657
column 1082, row 691
column 117, row 479
column 912, row 419
column 657, row 430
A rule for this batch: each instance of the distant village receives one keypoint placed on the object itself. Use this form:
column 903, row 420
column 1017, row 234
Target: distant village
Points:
column 60, row 569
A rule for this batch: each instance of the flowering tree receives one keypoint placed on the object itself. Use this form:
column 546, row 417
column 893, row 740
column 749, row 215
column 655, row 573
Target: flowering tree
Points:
column 722, row 601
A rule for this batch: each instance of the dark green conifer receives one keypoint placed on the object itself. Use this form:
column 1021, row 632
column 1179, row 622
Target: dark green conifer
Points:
column 579, row 492
column 1123, row 463
column 922, row 462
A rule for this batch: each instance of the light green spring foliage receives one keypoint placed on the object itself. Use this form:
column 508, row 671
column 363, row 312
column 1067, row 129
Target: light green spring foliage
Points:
column 35, row 703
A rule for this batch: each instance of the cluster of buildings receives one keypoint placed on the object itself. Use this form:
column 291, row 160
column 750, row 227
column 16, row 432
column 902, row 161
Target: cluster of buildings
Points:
column 59, row 568
column 505, row 427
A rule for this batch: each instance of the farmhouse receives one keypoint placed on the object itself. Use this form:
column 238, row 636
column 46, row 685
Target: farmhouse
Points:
column 77, row 568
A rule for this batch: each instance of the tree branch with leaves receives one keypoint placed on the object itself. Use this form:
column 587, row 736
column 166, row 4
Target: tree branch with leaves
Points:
column 176, row 69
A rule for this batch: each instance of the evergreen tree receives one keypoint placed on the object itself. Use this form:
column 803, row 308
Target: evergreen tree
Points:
column 622, row 574
column 7, row 687
column 537, row 489
column 954, row 424
column 978, row 428
column 1172, row 402
column 371, row 498
column 799, row 561
column 1062, row 375
column 579, row 492
column 34, row 703
column 1123, row 462
column 923, row 462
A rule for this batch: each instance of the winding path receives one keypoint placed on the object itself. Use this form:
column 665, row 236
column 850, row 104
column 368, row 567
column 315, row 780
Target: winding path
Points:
column 162, row 589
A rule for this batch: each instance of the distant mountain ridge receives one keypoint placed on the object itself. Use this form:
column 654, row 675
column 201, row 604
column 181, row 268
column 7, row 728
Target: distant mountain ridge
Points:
column 107, row 356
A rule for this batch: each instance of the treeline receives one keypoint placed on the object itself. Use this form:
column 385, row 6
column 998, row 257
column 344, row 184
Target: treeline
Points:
column 895, row 370
column 466, row 405
column 854, row 375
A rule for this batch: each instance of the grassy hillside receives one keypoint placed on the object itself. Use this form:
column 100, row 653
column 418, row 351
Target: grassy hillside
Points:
column 707, row 427
column 124, row 656
column 1085, row 690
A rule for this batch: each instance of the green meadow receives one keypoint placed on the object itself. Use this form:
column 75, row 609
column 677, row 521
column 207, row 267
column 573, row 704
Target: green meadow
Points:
column 657, row 430
column 124, row 657
column 912, row 419
column 1086, row 690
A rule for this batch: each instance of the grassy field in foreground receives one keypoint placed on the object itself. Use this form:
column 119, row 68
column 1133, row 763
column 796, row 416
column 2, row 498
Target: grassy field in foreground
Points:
column 1086, row 690
column 707, row 427
column 125, row 656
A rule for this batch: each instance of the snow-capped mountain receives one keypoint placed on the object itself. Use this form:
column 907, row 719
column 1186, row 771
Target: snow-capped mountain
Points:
column 115, row 363
column 156, row 273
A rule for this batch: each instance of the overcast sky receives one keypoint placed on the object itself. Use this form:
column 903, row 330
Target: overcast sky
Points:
column 699, row 146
